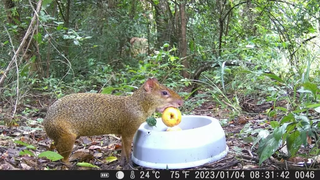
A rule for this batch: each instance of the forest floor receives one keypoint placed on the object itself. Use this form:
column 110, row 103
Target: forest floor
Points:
column 104, row 151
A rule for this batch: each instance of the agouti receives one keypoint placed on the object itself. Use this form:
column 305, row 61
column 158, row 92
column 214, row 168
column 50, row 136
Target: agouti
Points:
column 88, row 114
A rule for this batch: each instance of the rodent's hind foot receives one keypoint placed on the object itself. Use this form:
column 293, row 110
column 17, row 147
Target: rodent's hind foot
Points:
column 61, row 165
column 128, row 166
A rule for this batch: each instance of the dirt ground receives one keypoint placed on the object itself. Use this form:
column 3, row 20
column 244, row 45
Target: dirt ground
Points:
column 104, row 151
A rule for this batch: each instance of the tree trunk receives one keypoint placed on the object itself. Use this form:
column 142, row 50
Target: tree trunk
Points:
column 67, row 24
column 133, row 9
column 183, row 40
column 162, row 18
column 65, row 14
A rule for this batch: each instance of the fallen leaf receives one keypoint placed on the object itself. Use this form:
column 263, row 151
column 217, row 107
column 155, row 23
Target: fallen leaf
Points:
column 84, row 164
column 298, row 159
column 117, row 146
column 317, row 159
column 114, row 146
column 81, row 155
column 7, row 166
column 94, row 147
column 309, row 140
column 111, row 159
column 16, row 134
column 25, row 166
column 97, row 155
column 53, row 156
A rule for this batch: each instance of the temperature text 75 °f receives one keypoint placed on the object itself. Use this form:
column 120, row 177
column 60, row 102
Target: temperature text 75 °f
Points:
column 178, row 174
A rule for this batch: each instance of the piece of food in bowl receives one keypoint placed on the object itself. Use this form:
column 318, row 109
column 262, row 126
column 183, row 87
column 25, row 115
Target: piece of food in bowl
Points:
column 171, row 116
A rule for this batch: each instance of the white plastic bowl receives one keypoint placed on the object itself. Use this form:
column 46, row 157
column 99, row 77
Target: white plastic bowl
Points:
column 202, row 140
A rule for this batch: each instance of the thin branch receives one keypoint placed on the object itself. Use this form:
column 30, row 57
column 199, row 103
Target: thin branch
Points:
column 17, row 72
column 303, row 42
column 61, row 12
column 21, row 46
column 229, row 11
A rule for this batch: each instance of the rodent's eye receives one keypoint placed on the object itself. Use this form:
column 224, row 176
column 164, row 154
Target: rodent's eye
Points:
column 164, row 93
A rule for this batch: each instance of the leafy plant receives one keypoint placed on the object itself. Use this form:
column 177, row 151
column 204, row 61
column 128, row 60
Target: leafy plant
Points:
column 222, row 98
column 27, row 146
column 53, row 156
column 293, row 130
column 159, row 64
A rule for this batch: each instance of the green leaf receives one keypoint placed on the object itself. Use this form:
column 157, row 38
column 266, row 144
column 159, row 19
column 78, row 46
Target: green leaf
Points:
column 262, row 134
column 60, row 27
column 108, row 90
column 111, row 159
column 166, row 45
column 156, row 2
column 294, row 142
column 311, row 87
column 277, row 133
column 151, row 121
column 191, row 45
column 303, row 136
column 38, row 37
column 273, row 76
column 267, row 147
column 46, row 2
column 272, row 113
column 172, row 58
column 248, row 139
column 287, row 118
column 84, row 164
column 24, row 71
column 26, row 152
column 53, row 156
column 31, row 147
column 24, row 144
column 304, row 120
column 274, row 124
column 282, row 109
column 313, row 106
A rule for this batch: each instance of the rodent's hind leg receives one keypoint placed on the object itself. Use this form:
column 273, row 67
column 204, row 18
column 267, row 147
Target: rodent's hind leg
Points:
column 65, row 144
column 126, row 149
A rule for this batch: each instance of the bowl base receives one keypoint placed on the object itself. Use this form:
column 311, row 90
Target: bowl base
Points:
column 180, row 165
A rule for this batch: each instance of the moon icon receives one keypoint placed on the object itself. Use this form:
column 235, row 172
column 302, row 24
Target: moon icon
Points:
column 119, row 175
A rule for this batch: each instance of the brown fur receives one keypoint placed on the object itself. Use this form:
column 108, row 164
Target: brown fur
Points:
column 86, row 114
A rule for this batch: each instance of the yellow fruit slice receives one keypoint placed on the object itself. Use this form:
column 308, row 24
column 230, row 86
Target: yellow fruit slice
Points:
column 171, row 116
column 174, row 128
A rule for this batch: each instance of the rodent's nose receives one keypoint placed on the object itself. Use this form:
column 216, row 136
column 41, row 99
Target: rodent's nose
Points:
column 180, row 103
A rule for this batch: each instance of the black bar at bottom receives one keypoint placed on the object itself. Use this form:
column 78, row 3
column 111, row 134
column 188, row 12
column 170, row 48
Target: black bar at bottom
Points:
column 160, row 174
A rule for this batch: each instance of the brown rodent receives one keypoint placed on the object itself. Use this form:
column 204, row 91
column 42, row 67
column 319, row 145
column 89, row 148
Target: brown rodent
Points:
column 88, row 114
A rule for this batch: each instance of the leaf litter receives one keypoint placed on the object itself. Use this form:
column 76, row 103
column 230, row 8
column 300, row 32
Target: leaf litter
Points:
column 103, row 152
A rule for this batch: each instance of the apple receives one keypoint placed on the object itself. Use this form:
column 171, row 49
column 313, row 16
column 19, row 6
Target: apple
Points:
column 174, row 128
column 171, row 116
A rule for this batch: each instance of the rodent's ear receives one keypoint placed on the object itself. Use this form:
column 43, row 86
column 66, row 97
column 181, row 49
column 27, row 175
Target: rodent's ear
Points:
column 149, row 84
column 153, row 79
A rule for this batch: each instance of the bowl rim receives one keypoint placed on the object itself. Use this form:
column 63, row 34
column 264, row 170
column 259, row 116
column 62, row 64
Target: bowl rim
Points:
column 142, row 126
